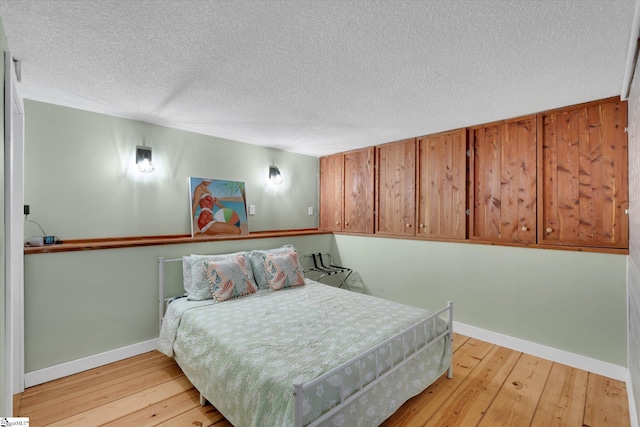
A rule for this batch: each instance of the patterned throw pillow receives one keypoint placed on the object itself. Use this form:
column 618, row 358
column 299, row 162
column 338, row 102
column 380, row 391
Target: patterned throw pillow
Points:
column 257, row 263
column 229, row 278
column 283, row 270
column 200, row 288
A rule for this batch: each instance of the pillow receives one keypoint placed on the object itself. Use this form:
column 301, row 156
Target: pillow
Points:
column 186, row 274
column 229, row 278
column 283, row 270
column 257, row 263
column 200, row 288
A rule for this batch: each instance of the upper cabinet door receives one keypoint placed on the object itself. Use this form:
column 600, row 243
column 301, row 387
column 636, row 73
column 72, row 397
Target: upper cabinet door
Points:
column 583, row 175
column 331, row 192
column 442, row 185
column 358, row 191
column 396, row 181
column 503, row 176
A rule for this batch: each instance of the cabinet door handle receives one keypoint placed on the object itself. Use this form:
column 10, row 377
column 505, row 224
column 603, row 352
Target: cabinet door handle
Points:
column 408, row 225
column 337, row 223
column 524, row 228
column 549, row 230
column 421, row 225
column 346, row 223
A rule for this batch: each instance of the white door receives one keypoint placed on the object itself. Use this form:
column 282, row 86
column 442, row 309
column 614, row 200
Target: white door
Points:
column 14, row 234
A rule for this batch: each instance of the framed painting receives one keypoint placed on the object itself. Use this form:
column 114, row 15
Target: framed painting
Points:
column 217, row 207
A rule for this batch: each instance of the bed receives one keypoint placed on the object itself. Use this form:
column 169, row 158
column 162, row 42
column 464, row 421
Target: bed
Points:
column 302, row 354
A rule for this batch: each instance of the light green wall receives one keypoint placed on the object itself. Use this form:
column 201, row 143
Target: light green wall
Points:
column 571, row 301
column 3, row 342
column 81, row 181
column 84, row 303
column 634, row 240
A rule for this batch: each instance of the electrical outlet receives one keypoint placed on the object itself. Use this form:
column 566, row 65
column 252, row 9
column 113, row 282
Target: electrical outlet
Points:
column 252, row 209
column 310, row 210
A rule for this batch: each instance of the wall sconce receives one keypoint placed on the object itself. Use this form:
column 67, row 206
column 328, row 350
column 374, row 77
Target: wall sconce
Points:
column 274, row 175
column 143, row 159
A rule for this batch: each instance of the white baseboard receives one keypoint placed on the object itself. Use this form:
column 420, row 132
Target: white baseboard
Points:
column 86, row 363
column 633, row 411
column 588, row 364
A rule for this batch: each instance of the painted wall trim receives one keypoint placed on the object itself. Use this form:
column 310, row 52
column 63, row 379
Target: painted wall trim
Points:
column 76, row 366
column 633, row 411
column 588, row 364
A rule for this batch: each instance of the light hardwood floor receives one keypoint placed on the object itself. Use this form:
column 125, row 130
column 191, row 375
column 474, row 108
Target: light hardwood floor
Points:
column 491, row 386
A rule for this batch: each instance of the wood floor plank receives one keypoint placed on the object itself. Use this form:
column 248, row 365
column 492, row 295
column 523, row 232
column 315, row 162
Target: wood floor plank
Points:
column 87, row 386
column 161, row 411
column 516, row 402
column 563, row 399
column 121, row 407
column 222, row 423
column 138, row 365
column 457, row 341
column 80, row 401
column 605, row 403
column 422, row 407
column 134, row 394
column 475, row 394
column 149, row 357
column 198, row 416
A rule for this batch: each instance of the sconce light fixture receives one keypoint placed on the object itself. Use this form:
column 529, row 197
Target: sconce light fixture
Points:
column 143, row 159
column 274, row 175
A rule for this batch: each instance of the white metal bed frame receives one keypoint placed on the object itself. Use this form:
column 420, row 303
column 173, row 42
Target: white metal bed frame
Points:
column 299, row 387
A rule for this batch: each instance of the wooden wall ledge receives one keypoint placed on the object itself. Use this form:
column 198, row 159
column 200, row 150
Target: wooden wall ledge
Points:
column 129, row 242
column 614, row 251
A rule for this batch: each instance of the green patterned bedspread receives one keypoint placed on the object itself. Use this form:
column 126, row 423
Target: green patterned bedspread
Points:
column 244, row 354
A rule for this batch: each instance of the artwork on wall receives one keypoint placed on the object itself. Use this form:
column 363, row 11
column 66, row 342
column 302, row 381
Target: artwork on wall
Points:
column 217, row 207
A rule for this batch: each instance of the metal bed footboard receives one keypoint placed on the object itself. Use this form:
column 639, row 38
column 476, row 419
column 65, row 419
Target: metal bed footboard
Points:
column 299, row 388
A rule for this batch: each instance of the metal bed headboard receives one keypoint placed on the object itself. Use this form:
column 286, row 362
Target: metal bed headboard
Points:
column 162, row 301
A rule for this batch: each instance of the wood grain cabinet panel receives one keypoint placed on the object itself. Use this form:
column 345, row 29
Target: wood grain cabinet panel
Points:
column 358, row 191
column 331, row 192
column 441, row 187
column 396, row 183
column 583, row 175
column 503, row 181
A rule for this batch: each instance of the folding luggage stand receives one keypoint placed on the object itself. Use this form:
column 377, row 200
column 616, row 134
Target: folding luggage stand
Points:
column 327, row 268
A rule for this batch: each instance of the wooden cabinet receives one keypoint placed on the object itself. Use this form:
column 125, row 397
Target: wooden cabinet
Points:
column 502, row 170
column 358, row 191
column 556, row 178
column 396, row 183
column 331, row 192
column 441, row 186
column 583, row 175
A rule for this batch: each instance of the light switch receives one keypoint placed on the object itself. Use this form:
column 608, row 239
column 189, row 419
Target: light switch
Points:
column 310, row 210
column 252, row 209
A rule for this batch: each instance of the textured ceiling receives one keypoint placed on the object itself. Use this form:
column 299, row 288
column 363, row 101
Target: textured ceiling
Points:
column 318, row 77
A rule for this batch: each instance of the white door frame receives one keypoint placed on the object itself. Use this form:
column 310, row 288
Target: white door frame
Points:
column 14, row 234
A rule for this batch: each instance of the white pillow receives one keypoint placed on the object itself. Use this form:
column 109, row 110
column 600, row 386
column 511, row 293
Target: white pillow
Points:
column 186, row 274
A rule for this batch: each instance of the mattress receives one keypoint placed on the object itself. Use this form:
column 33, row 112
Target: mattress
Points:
column 243, row 355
